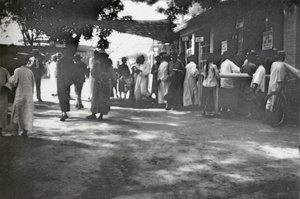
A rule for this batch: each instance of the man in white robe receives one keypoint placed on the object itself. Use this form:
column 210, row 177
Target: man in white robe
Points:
column 190, row 89
column 162, row 76
column 4, row 88
column 141, row 84
column 278, row 73
column 22, row 109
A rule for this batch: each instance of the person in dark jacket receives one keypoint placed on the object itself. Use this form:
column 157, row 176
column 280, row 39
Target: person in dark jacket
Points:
column 124, row 78
column 37, row 67
column 103, row 74
column 154, row 72
column 65, row 78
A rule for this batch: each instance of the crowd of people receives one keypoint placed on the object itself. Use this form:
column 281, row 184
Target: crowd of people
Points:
column 175, row 82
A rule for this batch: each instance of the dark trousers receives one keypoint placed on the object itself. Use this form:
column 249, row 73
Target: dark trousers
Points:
column 208, row 99
column 63, row 92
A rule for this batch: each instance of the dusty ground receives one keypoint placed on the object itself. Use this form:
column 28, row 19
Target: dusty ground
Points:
column 149, row 153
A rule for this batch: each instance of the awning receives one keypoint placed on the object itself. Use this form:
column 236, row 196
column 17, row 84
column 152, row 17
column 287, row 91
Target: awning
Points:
column 161, row 30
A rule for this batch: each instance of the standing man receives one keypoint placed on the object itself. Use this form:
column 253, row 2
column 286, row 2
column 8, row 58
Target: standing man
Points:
column 4, row 89
column 154, row 72
column 190, row 89
column 162, row 75
column 103, row 74
column 278, row 73
column 22, row 109
column 228, row 93
column 65, row 78
column 176, row 75
column 37, row 67
column 81, row 71
column 124, row 76
column 141, row 84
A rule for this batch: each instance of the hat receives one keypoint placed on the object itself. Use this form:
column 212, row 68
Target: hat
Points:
column 212, row 57
column 35, row 51
column 102, row 51
column 22, row 57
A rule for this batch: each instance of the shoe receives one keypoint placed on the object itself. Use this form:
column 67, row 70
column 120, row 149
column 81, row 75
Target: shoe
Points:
column 91, row 117
column 40, row 100
column 167, row 108
column 79, row 106
column 24, row 134
column 63, row 117
column 100, row 118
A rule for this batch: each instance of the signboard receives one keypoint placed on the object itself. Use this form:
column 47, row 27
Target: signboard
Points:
column 223, row 46
column 267, row 42
column 199, row 39
column 185, row 38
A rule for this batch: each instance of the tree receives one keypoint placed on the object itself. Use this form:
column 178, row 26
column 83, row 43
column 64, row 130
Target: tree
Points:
column 61, row 20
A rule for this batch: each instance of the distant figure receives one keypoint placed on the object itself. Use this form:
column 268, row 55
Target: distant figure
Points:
column 37, row 67
column 228, row 94
column 125, row 79
column 91, row 79
column 53, row 73
column 113, row 83
column 81, row 71
column 141, row 84
column 162, row 76
column 190, row 89
column 4, row 90
column 23, row 107
column 103, row 74
column 154, row 72
column 65, row 78
column 210, row 82
column 176, row 78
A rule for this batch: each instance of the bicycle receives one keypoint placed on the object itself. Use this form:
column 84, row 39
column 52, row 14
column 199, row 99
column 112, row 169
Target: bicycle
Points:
column 277, row 114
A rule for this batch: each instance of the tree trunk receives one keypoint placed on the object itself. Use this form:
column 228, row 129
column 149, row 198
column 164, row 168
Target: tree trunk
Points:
column 72, row 43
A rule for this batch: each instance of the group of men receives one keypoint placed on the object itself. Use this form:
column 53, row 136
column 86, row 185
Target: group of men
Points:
column 169, row 77
column 254, row 65
column 70, row 70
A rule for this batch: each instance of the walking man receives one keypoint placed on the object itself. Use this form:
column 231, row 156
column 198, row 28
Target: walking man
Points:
column 22, row 109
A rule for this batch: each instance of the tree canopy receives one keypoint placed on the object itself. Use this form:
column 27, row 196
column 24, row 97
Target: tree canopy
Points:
column 61, row 20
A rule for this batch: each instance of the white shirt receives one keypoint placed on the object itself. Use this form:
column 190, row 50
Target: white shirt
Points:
column 228, row 66
column 162, row 71
column 278, row 73
column 211, row 80
column 259, row 78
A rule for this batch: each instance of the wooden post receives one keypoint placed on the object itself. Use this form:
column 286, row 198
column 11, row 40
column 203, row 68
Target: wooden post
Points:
column 217, row 90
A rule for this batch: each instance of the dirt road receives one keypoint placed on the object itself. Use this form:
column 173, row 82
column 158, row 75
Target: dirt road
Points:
column 149, row 153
